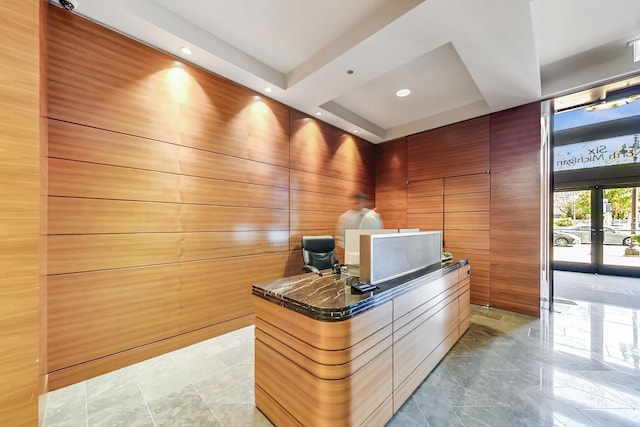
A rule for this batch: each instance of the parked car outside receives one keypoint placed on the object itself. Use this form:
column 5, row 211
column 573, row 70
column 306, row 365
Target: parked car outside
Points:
column 565, row 239
column 611, row 235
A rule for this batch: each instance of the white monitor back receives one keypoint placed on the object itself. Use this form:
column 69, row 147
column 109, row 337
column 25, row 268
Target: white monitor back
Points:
column 387, row 256
column 352, row 242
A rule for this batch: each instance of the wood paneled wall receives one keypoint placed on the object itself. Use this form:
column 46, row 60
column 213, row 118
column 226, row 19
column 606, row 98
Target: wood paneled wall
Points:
column 425, row 204
column 449, row 191
column 171, row 191
column 455, row 150
column 19, row 213
column 466, row 227
column 44, row 184
column 478, row 181
column 391, row 183
column 515, row 207
column 327, row 167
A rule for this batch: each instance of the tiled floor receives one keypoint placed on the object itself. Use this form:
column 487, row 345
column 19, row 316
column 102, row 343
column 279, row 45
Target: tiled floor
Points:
column 577, row 366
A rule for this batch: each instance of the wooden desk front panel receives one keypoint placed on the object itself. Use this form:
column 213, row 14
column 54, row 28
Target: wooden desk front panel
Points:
column 327, row 364
column 314, row 401
column 465, row 304
column 361, row 370
column 317, row 373
column 402, row 391
column 320, row 334
column 422, row 339
column 412, row 300
column 427, row 323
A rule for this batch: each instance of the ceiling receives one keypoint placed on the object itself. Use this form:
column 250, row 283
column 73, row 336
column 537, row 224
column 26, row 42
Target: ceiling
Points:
column 346, row 59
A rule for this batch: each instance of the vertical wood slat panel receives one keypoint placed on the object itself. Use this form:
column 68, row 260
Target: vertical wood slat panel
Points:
column 312, row 213
column 44, row 136
column 308, row 200
column 113, row 80
column 467, row 207
column 112, row 362
column 327, row 166
column 426, row 221
column 466, row 220
column 466, row 239
column 268, row 127
column 75, row 142
column 82, row 216
column 443, row 162
column 476, row 183
column 176, row 300
column 480, row 275
column 312, row 182
column 90, row 252
column 515, row 206
column 467, row 202
column 454, row 150
column 431, row 187
column 313, row 220
column 324, row 150
column 20, row 213
column 393, row 211
column 219, row 116
column 428, row 204
column 425, row 204
column 88, row 180
column 459, row 205
column 391, row 183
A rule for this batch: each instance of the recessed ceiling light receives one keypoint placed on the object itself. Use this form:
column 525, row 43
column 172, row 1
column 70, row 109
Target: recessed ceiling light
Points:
column 355, row 131
column 268, row 89
column 185, row 50
column 318, row 113
column 403, row 92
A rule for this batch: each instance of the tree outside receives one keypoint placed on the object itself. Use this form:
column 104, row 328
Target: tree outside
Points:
column 573, row 207
column 620, row 202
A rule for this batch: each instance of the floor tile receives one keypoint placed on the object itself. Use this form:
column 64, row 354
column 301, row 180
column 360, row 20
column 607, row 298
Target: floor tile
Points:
column 125, row 416
column 184, row 408
column 614, row 417
column 409, row 415
column 574, row 366
column 218, row 385
column 239, row 415
column 66, row 406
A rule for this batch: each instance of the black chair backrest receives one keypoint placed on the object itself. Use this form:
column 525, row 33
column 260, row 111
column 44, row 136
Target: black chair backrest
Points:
column 319, row 251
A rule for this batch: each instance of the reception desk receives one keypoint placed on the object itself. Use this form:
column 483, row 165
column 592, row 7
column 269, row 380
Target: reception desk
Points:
column 327, row 355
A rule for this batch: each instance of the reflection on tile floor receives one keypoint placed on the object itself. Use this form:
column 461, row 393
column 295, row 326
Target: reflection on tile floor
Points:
column 577, row 366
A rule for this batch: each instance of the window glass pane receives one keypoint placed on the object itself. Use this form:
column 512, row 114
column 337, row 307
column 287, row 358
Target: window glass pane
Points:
column 572, row 226
column 620, row 223
column 581, row 117
column 599, row 153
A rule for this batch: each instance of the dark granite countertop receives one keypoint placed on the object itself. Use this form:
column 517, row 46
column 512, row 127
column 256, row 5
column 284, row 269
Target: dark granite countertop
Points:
column 331, row 298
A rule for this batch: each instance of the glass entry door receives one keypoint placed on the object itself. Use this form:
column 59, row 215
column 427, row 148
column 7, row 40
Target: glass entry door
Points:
column 593, row 230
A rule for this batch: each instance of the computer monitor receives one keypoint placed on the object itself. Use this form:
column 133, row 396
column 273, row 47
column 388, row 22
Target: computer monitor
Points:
column 352, row 242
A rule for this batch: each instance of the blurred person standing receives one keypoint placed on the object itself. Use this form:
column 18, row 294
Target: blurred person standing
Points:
column 362, row 214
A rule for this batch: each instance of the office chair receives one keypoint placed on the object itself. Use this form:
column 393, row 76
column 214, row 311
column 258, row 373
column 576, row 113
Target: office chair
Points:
column 318, row 253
